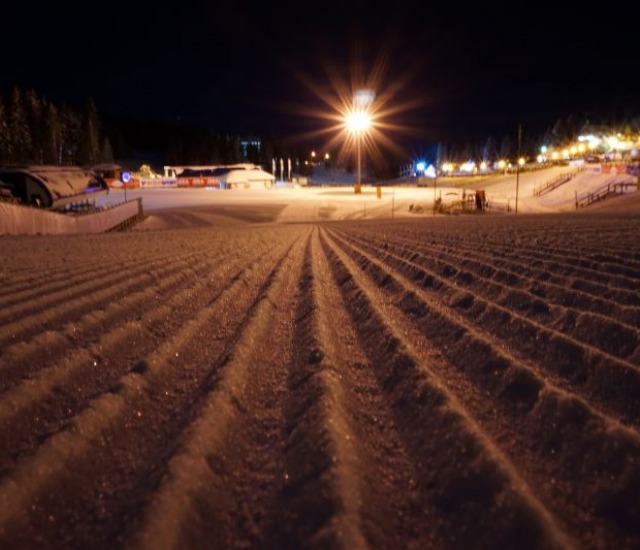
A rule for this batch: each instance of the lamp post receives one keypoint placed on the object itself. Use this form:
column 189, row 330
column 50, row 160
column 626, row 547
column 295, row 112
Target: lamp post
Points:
column 358, row 122
column 518, row 164
column 435, row 179
column 359, row 161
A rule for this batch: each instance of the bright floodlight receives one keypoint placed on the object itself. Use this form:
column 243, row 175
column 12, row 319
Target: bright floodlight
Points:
column 358, row 121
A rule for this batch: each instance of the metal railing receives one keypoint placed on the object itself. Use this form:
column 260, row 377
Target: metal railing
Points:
column 555, row 183
column 609, row 190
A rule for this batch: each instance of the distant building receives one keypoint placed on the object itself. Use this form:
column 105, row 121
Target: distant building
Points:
column 250, row 149
column 52, row 187
column 232, row 176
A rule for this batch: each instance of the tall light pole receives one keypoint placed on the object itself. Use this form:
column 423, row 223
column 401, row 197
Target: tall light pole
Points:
column 435, row 180
column 359, row 157
column 358, row 122
column 518, row 164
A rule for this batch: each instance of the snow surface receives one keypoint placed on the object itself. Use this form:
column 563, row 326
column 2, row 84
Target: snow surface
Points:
column 314, row 368
column 329, row 199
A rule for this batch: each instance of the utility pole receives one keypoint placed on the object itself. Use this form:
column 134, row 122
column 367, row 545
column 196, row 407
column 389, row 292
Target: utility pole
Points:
column 435, row 180
column 518, row 164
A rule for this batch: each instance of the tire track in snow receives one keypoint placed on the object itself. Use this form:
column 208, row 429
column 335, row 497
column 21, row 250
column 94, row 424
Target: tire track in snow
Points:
column 46, row 347
column 481, row 486
column 17, row 292
column 349, row 481
column 553, row 288
column 224, row 477
column 532, row 288
column 572, row 364
column 539, row 407
column 111, row 441
column 43, row 400
column 581, row 463
column 55, row 308
column 595, row 278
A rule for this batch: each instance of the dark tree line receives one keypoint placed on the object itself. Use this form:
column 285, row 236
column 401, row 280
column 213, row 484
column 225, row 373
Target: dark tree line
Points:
column 35, row 130
column 525, row 142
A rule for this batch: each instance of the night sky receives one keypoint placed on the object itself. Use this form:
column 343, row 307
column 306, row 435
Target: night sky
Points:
column 445, row 72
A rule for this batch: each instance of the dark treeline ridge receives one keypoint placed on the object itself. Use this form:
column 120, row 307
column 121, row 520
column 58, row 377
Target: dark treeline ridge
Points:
column 34, row 130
